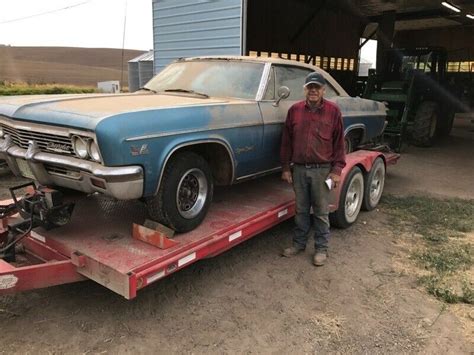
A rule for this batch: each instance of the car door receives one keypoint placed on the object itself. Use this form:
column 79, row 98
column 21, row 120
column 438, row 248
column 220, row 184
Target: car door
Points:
column 274, row 116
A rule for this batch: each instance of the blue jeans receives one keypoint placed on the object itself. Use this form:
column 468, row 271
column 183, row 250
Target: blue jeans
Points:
column 311, row 191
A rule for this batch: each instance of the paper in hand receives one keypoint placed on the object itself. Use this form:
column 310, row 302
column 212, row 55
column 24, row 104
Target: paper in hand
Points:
column 328, row 182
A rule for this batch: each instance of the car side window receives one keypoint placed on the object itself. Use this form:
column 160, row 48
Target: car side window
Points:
column 293, row 78
column 330, row 91
column 270, row 93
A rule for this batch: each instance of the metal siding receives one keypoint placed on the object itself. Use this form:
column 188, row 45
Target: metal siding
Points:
column 145, row 72
column 184, row 28
column 133, row 76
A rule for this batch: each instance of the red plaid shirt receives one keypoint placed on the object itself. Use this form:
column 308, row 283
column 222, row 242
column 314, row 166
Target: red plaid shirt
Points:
column 313, row 136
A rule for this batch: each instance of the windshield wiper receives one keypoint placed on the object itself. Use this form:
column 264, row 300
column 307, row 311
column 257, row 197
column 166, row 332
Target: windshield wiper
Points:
column 148, row 89
column 188, row 92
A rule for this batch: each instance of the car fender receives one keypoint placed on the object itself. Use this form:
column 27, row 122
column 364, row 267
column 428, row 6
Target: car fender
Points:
column 181, row 142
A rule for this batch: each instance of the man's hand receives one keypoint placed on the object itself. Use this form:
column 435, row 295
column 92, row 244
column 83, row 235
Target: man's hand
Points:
column 286, row 176
column 336, row 179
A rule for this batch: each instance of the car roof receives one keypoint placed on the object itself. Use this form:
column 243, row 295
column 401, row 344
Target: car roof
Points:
column 272, row 60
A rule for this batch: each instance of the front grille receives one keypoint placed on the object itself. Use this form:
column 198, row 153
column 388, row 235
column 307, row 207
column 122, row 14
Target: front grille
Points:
column 21, row 137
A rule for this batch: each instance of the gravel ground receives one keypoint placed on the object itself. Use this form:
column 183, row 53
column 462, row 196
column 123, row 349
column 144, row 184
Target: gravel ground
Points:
column 250, row 300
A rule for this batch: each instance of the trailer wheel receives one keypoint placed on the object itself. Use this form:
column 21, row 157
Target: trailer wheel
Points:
column 425, row 125
column 350, row 200
column 185, row 193
column 374, row 184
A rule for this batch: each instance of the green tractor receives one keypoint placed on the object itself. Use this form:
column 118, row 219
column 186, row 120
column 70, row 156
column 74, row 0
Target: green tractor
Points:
column 420, row 103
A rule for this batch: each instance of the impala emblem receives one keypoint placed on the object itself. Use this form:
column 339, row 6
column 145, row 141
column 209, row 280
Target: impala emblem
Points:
column 135, row 151
column 58, row 147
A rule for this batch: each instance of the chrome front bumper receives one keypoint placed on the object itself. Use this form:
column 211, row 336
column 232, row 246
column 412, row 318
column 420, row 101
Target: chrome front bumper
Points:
column 123, row 183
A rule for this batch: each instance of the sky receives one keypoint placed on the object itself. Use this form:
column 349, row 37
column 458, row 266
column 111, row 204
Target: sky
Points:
column 77, row 23
column 87, row 23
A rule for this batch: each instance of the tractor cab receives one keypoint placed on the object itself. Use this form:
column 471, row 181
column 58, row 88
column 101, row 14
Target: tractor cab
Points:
column 413, row 85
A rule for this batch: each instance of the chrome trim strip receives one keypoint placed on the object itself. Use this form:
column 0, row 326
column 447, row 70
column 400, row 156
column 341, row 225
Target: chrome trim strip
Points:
column 69, row 162
column 195, row 143
column 354, row 127
column 263, row 81
column 269, row 171
column 207, row 129
column 44, row 128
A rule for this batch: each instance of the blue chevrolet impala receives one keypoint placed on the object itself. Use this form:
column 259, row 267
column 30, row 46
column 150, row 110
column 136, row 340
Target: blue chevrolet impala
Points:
column 200, row 122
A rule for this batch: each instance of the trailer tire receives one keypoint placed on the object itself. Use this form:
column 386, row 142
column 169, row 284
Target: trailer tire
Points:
column 185, row 193
column 373, row 187
column 350, row 200
column 426, row 124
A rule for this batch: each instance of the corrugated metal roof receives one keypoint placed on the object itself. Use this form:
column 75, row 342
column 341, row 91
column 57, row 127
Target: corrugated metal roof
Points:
column 145, row 57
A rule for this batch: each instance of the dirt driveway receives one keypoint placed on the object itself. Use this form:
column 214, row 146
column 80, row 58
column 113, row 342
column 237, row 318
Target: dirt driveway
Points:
column 250, row 300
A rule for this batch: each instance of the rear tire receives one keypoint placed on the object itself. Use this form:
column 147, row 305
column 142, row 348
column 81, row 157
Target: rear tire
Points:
column 374, row 184
column 185, row 193
column 446, row 124
column 425, row 125
column 350, row 200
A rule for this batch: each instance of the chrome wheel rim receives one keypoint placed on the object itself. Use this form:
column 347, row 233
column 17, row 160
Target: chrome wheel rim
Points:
column 192, row 193
column 353, row 199
column 376, row 185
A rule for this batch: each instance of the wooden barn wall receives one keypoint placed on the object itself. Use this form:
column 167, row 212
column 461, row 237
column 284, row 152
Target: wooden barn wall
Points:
column 458, row 40
column 271, row 26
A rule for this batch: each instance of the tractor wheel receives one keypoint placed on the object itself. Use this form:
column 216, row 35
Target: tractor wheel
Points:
column 185, row 193
column 374, row 184
column 350, row 200
column 426, row 124
column 446, row 124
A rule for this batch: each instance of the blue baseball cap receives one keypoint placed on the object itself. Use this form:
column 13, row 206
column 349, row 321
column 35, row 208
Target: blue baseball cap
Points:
column 315, row 78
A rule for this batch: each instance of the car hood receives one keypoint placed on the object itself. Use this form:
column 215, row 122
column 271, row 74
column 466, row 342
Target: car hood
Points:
column 87, row 110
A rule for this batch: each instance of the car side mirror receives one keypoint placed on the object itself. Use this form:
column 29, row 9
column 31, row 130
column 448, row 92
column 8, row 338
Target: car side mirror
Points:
column 283, row 93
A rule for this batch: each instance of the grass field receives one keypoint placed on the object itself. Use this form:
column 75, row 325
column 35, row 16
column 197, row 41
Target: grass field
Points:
column 7, row 89
column 63, row 65
column 442, row 241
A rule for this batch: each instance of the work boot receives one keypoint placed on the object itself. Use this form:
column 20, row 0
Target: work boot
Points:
column 320, row 258
column 291, row 251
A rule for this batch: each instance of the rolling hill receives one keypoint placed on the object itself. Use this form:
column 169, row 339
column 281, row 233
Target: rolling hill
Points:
column 63, row 65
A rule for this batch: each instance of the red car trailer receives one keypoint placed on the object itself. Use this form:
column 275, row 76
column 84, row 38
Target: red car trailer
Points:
column 97, row 243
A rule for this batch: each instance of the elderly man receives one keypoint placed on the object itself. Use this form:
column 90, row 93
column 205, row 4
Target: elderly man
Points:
column 313, row 140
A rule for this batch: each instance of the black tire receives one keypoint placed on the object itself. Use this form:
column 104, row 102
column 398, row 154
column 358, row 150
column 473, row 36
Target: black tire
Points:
column 185, row 193
column 350, row 200
column 425, row 125
column 446, row 124
column 374, row 184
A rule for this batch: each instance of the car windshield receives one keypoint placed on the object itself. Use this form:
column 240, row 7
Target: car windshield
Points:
column 213, row 78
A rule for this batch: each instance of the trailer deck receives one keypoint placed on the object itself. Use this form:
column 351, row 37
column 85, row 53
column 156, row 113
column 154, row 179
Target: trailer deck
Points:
column 97, row 243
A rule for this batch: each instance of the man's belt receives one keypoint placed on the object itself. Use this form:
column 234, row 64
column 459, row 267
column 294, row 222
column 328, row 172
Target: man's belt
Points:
column 315, row 165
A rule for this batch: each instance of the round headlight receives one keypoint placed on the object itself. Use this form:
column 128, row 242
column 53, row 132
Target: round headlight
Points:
column 80, row 147
column 94, row 151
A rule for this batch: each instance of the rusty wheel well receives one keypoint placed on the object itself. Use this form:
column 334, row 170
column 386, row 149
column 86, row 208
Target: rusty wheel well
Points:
column 218, row 158
column 356, row 135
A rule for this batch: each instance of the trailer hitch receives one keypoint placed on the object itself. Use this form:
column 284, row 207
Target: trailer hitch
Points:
column 39, row 207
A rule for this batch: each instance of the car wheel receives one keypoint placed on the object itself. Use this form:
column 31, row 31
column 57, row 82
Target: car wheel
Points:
column 350, row 200
column 374, row 184
column 185, row 193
